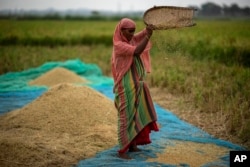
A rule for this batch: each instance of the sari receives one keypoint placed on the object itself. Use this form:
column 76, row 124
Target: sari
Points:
column 136, row 113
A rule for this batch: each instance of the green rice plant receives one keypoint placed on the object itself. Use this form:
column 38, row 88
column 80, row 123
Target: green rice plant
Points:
column 226, row 42
column 211, row 86
column 56, row 32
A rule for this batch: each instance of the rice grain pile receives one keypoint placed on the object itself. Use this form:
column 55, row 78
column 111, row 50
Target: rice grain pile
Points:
column 191, row 153
column 66, row 124
column 56, row 76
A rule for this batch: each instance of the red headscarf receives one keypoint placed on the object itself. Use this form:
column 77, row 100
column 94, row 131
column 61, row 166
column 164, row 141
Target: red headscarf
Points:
column 123, row 50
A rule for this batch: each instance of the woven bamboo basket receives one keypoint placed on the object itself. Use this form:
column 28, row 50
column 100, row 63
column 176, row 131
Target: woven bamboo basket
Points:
column 169, row 17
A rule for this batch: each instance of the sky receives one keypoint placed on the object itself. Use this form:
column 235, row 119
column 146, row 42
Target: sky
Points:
column 112, row 5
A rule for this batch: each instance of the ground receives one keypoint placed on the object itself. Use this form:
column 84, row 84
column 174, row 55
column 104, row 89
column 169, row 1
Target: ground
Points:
column 212, row 123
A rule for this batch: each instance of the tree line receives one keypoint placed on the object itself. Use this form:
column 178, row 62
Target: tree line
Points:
column 233, row 10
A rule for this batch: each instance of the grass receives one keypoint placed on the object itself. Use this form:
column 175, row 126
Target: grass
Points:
column 53, row 33
column 207, row 64
column 18, row 58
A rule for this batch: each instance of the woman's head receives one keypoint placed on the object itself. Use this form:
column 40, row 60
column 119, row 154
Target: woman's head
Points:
column 127, row 28
column 127, row 23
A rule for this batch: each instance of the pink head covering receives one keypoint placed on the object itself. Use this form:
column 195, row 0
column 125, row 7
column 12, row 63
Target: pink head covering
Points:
column 124, row 23
column 127, row 23
column 123, row 50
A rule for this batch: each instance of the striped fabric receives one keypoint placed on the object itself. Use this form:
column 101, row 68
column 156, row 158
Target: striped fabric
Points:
column 134, row 104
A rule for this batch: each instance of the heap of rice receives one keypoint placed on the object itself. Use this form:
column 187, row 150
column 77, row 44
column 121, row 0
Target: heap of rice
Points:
column 192, row 153
column 66, row 124
column 56, row 76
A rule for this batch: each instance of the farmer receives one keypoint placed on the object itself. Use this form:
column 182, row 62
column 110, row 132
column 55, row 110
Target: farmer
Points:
column 130, row 63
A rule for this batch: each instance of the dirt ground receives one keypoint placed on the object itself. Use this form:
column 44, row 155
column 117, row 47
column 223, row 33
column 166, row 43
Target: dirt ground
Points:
column 213, row 123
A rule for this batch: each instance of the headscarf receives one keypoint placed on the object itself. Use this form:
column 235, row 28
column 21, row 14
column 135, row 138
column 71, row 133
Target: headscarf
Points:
column 123, row 50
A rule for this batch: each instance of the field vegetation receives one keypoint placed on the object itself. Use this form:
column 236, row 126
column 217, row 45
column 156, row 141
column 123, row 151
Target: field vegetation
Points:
column 207, row 65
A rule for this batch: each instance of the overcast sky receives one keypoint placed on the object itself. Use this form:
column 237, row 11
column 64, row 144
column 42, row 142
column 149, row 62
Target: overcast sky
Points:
column 114, row 5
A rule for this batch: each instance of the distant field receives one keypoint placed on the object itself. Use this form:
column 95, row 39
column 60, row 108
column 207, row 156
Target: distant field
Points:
column 208, row 64
column 224, row 41
column 54, row 29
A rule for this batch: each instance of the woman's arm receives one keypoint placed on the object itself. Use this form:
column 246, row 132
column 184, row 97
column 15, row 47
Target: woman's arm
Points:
column 142, row 45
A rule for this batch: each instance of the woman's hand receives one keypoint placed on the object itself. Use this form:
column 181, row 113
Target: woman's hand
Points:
column 149, row 29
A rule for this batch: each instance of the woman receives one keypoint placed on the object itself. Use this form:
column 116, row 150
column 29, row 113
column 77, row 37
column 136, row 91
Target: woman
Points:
column 130, row 62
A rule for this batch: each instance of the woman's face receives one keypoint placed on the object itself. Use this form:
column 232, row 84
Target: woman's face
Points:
column 128, row 33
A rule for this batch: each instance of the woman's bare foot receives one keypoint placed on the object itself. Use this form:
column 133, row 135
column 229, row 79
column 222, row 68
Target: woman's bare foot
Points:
column 124, row 156
column 134, row 148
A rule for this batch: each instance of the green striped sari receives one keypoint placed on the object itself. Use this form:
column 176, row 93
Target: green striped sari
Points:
column 134, row 104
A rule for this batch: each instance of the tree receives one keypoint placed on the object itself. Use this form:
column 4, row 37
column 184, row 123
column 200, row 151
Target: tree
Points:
column 235, row 10
column 210, row 9
column 246, row 11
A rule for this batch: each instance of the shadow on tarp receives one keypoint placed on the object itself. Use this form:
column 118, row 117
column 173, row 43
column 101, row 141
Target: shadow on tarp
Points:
column 172, row 128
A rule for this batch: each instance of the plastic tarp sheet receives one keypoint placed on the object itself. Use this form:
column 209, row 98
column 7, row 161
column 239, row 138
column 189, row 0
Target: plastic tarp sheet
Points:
column 15, row 92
